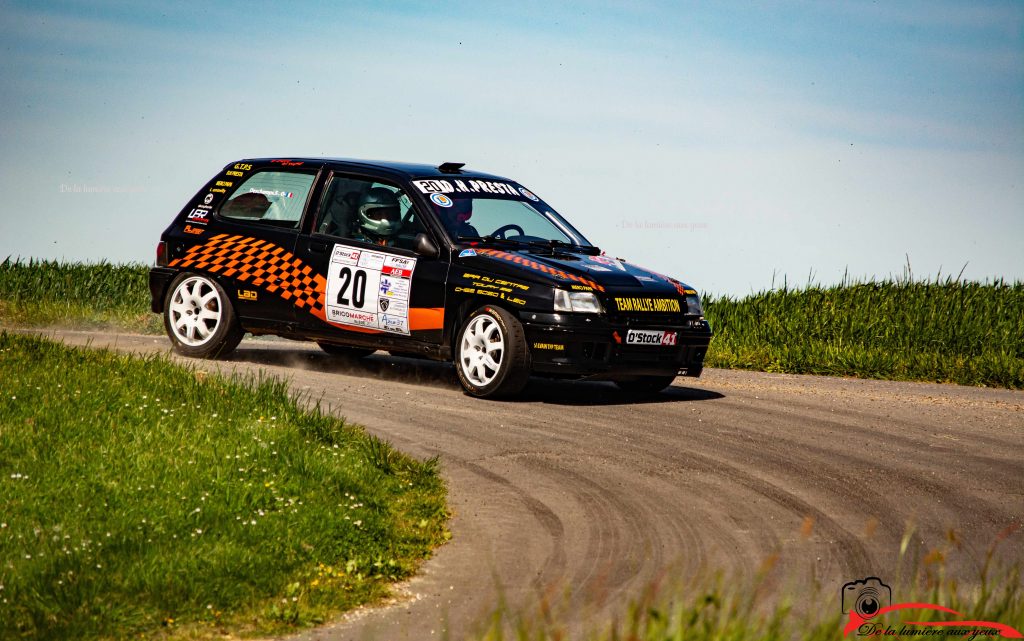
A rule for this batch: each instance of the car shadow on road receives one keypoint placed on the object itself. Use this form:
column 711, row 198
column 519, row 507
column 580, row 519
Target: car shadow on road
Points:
column 565, row 392
column 382, row 366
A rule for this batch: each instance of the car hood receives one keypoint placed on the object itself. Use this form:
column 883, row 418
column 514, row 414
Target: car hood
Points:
column 563, row 268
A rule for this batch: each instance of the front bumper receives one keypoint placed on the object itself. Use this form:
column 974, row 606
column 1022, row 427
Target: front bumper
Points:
column 595, row 347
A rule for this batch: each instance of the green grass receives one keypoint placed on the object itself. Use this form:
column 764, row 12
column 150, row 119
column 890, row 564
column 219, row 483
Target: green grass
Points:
column 142, row 498
column 949, row 331
column 46, row 292
column 942, row 330
column 776, row 606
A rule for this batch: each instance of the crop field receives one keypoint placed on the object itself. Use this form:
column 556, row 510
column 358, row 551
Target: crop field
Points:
column 940, row 330
column 143, row 498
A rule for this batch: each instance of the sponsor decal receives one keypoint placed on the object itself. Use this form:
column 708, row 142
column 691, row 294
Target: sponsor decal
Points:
column 272, row 192
column 633, row 304
column 598, row 268
column 529, row 194
column 287, row 163
column 465, row 253
column 189, row 229
column 441, row 200
column 581, row 288
column 235, row 173
column 224, row 183
column 555, row 347
column 208, row 199
column 247, row 294
column 369, row 289
column 241, row 166
column 650, row 337
column 534, row 265
column 466, row 187
column 199, row 216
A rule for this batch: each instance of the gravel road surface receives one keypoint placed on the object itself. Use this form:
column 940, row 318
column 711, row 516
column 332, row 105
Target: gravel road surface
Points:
column 576, row 485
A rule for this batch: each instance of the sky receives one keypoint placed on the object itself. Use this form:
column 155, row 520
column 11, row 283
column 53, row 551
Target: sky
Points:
column 731, row 145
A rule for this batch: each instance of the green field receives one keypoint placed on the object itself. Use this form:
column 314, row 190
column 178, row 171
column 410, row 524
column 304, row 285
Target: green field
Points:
column 46, row 292
column 949, row 331
column 942, row 330
column 142, row 498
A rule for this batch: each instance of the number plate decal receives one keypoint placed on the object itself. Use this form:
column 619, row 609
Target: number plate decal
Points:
column 369, row 288
column 650, row 337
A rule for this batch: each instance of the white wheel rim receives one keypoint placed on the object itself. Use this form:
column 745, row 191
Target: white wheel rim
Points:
column 481, row 350
column 195, row 311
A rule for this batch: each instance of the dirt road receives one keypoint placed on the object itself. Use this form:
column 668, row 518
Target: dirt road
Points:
column 576, row 485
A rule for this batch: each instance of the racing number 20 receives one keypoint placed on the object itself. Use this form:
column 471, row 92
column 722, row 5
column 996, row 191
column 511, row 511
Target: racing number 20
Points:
column 358, row 282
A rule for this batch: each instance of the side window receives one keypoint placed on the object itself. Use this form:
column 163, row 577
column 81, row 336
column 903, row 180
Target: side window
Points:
column 273, row 197
column 368, row 211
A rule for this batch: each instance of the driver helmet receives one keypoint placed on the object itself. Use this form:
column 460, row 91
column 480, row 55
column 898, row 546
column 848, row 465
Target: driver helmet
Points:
column 462, row 210
column 379, row 214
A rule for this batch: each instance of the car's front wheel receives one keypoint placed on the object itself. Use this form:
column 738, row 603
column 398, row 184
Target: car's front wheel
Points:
column 645, row 385
column 199, row 318
column 491, row 356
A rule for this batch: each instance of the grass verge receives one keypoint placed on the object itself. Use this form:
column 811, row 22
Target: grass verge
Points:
column 769, row 607
column 142, row 498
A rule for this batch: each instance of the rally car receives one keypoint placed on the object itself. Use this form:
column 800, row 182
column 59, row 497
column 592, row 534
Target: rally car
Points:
column 418, row 260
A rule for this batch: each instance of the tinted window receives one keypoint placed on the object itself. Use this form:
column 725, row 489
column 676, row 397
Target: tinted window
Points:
column 368, row 211
column 272, row 197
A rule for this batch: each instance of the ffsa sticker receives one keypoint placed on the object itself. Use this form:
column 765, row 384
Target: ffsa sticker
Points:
column 369, row 288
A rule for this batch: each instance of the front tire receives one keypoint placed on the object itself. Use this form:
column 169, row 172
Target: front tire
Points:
column 491, row 356
column 199, row 318
column 646, row 385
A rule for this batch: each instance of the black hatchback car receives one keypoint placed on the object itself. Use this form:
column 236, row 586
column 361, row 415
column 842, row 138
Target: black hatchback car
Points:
column 437, row 262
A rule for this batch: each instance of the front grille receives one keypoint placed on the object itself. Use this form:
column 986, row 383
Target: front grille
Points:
column 652, row 319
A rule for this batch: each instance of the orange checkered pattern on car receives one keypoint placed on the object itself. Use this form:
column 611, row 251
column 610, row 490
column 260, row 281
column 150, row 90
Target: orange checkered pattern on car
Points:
column 263, row 264
column 532, row 264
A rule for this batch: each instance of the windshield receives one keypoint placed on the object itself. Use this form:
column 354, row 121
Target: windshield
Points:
column 508, row 213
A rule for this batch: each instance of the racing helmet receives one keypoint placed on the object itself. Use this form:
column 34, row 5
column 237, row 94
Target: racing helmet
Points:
column 462, row 209
column 379, row 214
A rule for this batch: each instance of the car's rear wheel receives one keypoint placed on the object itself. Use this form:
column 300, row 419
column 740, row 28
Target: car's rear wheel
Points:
column 345, row 351
column 491, row 356
column 199, row 318
column 645, row 385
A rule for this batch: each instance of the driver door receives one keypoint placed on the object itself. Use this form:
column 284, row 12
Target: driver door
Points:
column 379, row 292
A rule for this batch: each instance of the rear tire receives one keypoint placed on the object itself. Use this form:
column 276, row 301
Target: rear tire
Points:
column 491, row 356
column 345, row 351
column 199, row 318
column 646, row 385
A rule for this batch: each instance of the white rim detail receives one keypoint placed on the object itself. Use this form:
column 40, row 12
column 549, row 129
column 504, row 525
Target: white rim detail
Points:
column 483, row 346
column 195, row 311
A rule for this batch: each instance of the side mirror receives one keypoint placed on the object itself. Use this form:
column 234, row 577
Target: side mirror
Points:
column 425, row 247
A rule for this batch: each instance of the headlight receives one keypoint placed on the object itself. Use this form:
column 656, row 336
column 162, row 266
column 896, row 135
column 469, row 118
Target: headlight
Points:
column 693, row 305
column 584, row 302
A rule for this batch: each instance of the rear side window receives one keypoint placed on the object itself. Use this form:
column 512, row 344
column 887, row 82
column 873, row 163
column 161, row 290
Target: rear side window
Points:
column 272, row 197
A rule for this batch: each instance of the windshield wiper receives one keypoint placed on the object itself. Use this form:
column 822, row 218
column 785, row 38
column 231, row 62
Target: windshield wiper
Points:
column 561, row 244
column 489, row 239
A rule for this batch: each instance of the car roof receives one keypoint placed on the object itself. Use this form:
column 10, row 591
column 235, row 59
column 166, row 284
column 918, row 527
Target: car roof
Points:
column 408, row 169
